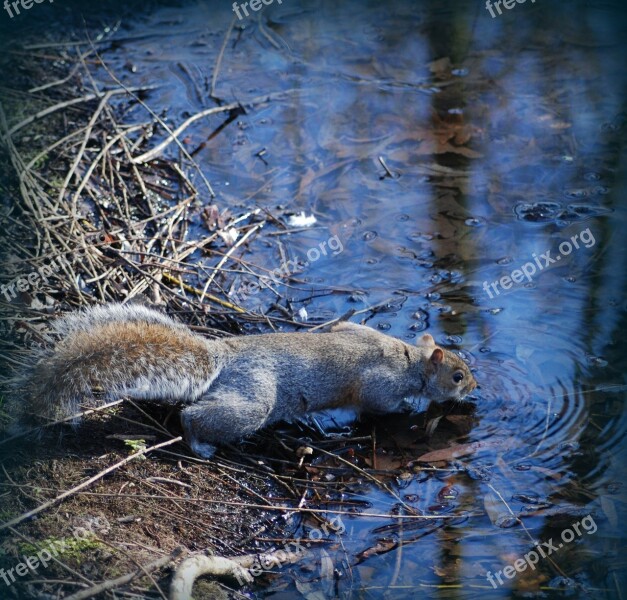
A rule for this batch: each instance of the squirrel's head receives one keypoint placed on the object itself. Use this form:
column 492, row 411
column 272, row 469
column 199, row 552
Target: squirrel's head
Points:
column 447, row 375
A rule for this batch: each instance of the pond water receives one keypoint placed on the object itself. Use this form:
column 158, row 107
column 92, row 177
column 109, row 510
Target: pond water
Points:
column 440, row 150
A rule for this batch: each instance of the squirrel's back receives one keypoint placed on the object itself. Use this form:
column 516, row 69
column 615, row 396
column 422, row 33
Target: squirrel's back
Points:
column 107, row 352
column 229, row 388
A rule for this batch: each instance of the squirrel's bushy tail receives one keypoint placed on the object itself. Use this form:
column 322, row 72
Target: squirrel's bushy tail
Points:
column 44, row 390
column 105, row 353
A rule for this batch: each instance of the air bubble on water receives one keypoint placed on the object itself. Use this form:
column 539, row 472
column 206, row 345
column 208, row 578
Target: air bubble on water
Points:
column 615, row 487
column 368, row 236
column 439, row 508
column 474, row 222
column 527, row 497
column 562, row 583
column 592, row 176
column 596, row 361
column 506, row 521
column 465, row 356
column 457, row 276
column 537, row 211
column 568, row 446
column 576, row 193
column 479, row 473
column 384, row 326
column 460, row 72
column 404, row 252
column 506, row 260
column 357, row 297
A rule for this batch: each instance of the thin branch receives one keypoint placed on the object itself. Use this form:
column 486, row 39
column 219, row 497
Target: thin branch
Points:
column 85, row 484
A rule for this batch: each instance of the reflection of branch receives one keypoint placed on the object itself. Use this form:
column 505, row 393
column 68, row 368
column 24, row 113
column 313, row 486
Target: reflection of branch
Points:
column 173, row 135
column 216, row 69
column 520, row 522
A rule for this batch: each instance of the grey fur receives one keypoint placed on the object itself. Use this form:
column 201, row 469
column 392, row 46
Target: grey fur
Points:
column 231, row 387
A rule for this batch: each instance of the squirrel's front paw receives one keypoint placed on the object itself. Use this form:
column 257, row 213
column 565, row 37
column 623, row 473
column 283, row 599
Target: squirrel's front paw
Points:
column 203, row 450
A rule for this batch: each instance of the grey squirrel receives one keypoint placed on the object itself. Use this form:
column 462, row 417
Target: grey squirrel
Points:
column 231, row 387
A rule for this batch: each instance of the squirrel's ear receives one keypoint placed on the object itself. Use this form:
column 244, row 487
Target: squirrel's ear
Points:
column 426, row 340
column 437, row 357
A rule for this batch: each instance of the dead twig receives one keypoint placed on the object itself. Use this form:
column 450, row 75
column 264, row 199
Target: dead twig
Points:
column 85, row 484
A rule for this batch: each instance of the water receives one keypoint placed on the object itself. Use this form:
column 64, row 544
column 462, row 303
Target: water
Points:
column 500, row 138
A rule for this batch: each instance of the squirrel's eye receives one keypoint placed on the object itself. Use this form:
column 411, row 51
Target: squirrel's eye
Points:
column 458, row 377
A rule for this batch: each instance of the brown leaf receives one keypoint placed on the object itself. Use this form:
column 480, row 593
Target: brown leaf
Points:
column 213, row 218
column 385, row 461
column 381, row 547
column 455, row 452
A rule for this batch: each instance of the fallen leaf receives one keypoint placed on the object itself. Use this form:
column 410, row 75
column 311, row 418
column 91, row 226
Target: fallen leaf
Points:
column 455, row 452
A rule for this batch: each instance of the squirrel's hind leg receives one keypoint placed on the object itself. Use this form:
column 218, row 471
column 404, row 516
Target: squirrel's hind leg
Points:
column 221, row 417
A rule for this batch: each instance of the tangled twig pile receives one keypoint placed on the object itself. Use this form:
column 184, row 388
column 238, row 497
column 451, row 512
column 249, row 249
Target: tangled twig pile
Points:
column 97, row 223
